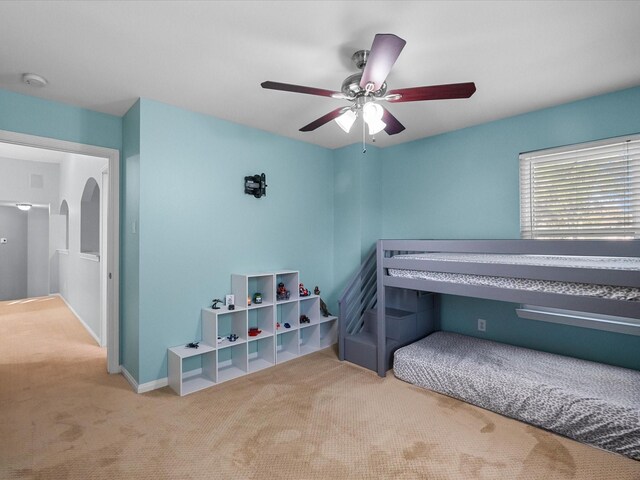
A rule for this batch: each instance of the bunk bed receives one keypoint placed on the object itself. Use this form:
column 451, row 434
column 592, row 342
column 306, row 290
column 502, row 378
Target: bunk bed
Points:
column 592, row 403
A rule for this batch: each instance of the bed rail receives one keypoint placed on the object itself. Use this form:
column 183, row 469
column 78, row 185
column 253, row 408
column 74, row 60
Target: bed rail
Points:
column 387, row 249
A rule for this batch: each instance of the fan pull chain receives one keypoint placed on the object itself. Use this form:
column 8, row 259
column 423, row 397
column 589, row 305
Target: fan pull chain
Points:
column 364, row 145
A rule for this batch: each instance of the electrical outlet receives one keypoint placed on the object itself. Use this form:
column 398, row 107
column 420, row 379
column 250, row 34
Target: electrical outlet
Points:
column 482, row 325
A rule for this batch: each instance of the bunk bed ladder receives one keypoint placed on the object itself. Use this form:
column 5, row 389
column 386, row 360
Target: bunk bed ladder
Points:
column 356, row 305
column 368, row 337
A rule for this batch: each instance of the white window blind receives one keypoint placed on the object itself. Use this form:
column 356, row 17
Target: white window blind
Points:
column 587, row 191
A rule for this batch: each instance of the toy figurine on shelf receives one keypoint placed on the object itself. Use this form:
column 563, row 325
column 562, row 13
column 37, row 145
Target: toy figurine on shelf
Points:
column 303, row 291
column 232, row 338
column 193, row 345
column 257, row 298
column 323, row 309
column 248, row 301
column 304, row 319
column 282, row 293
column 254, row 331
column 323, row 306
column 215, row 304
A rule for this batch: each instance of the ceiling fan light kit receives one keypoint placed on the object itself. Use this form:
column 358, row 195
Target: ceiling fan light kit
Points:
column 372, row 115
column 368, row 87
column 346, row 120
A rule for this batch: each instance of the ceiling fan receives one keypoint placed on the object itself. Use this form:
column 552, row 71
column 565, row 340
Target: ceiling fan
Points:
column 368, row 87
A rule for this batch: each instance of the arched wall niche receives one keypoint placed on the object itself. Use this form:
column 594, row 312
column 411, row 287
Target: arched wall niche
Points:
column 64, row 211
column 90, row 218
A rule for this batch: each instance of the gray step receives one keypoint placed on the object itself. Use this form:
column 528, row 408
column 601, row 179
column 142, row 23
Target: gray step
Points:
column 401, row 324
column 361, row 349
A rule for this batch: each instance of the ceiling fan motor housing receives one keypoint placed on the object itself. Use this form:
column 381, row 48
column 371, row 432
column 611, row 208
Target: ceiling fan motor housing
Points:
column 351, row 87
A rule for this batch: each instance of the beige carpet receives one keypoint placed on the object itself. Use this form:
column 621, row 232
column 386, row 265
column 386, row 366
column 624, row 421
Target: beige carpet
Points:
column 63, row 417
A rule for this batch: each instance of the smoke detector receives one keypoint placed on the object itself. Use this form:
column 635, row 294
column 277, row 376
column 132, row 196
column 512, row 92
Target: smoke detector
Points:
column 34, row 80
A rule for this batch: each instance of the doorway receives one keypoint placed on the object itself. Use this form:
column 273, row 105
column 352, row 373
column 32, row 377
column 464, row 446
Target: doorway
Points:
column 108, row 257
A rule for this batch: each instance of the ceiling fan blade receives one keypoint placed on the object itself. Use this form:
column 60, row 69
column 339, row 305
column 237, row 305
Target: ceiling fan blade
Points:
column 384, row 52
column 393, row 125
column 324, row 119
column 287, row 87
column 434, row 92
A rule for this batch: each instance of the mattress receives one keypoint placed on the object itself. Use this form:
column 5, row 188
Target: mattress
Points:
column 549, row 286
column 574, row 261
column 592, row 403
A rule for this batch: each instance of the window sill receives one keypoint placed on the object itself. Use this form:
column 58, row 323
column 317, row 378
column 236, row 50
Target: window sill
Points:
column 94, row 257
column 62, row 251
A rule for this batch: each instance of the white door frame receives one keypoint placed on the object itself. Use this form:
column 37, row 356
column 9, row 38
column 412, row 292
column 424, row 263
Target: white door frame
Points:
column 113, row 243
column 104, row 253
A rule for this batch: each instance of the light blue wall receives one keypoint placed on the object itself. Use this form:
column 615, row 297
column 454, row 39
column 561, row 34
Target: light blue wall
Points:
column 197, row 226
column 34, row 116
column 129, row 243
column 357, row 214
column 464, row 184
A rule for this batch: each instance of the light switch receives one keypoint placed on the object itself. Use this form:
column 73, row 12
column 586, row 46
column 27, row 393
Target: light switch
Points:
column 3, row 240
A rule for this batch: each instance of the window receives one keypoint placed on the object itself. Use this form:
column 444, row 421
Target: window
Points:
column 586, row 191
column 90, row 218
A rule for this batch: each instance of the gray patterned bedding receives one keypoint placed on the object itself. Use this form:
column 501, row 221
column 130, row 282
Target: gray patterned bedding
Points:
column 592, row 403
column 574, row 261
column 550, row 286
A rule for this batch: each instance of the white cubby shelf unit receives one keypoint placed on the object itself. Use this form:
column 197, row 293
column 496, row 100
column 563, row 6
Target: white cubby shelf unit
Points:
column 218, row 359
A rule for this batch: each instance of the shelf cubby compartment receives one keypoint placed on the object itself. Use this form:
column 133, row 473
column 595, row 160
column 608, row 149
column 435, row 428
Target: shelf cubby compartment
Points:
column 232, row 321
column 328, row 331
column 262, row 318
column 183, row 381
column 209, row 327
column 287, row 346
column 261, row 353
column 309, row 339
column 310, row 306
column 287, row 313
column 232, row 362
column 244, row 287
column 290, row 280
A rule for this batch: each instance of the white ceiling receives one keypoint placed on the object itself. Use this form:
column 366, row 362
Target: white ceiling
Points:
column 211, row 57
column 30, row 154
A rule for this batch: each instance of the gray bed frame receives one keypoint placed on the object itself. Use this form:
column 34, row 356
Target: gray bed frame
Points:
column 387, row 249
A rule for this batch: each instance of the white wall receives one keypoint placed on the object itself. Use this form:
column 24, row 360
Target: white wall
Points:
column 57, row 241
column 38, row 252
column 15, row 182
column 79, row 274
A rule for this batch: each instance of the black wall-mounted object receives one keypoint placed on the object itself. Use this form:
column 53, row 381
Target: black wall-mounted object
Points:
column 255, row 185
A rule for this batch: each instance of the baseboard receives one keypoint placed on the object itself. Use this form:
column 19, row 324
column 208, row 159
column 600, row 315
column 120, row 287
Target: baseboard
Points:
column 95, row 337
column 129, row 378
column 144, row 387
column 153, row 385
